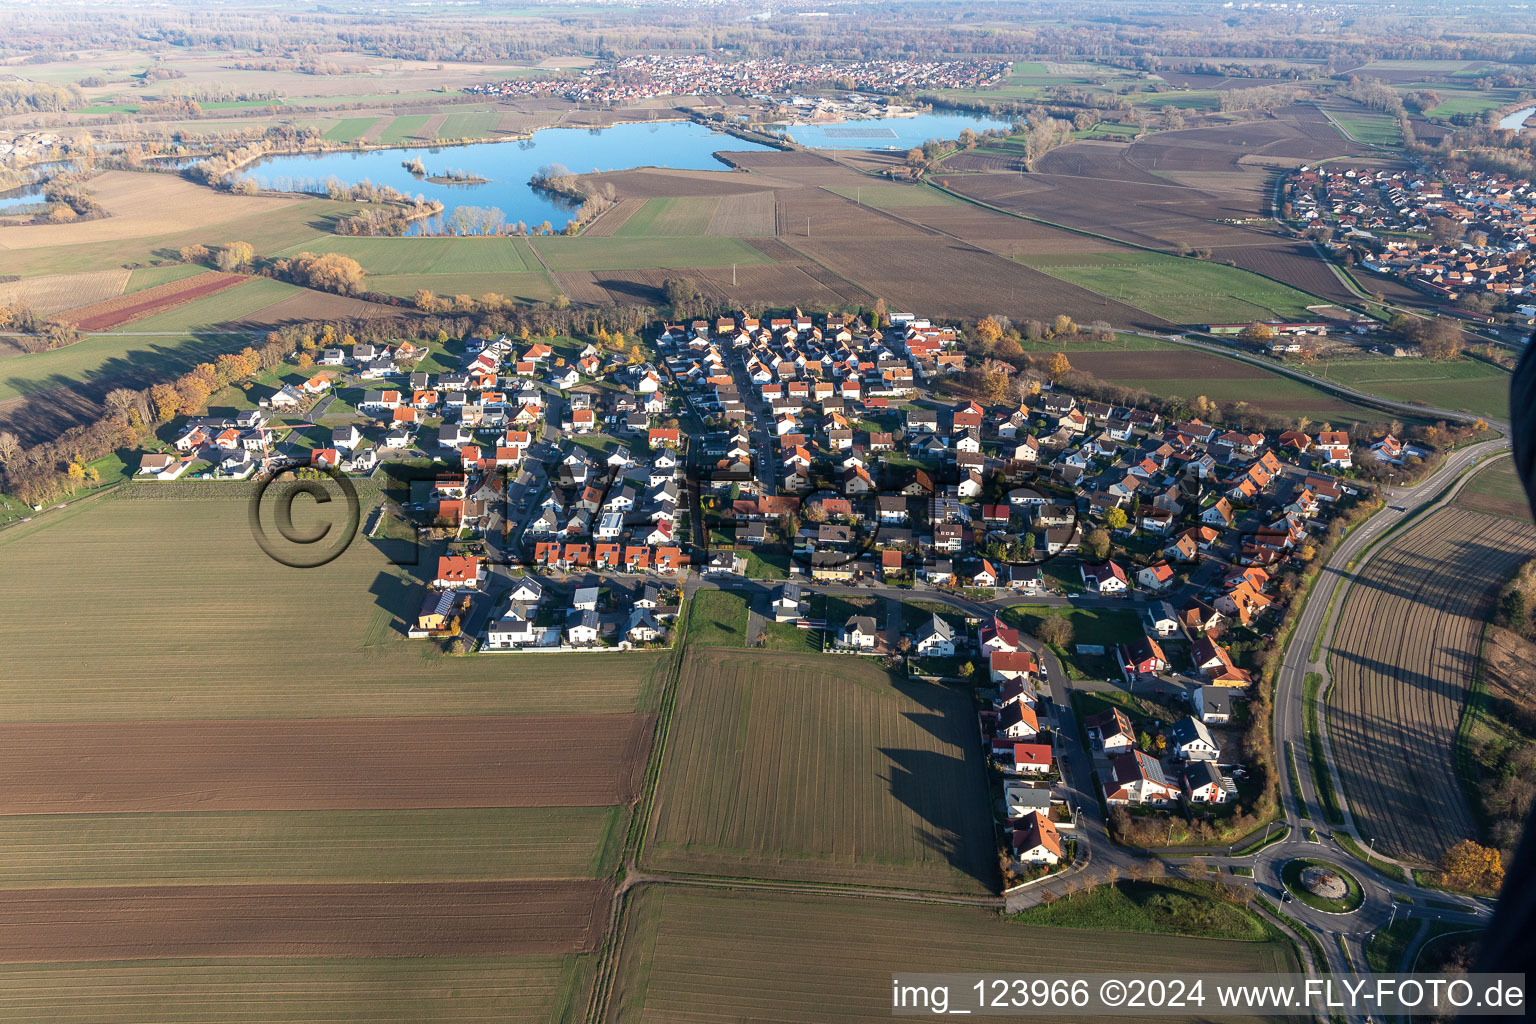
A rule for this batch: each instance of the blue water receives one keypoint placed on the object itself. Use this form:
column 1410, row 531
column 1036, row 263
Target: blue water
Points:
column 509, row 165
column 890, row 132
column 28, row 195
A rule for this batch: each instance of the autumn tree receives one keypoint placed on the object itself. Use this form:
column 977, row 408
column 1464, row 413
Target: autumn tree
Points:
column 1257, row 333
column 1058, row 367
column 1062, row 326
column 1095, row 546
column 1054, row 629
column 10, row 444
column 988, row 331
column 1469, row 865
column 1116, row 519
column 234, row 256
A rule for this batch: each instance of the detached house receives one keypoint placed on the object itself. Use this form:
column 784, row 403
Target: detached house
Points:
column 859, row 632
column 1192, row 741
column 1138, row 778
column 936, row 639
column 1036, row 840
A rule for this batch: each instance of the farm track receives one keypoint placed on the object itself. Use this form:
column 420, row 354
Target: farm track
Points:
column 1402, row 658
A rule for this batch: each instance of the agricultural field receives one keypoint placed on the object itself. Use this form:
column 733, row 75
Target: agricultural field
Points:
column 145, row 278
column 1463, row 383
column 1168, row 370
column 1398, row 693
column 526, row 286
column 678, row 216
column 641, row 253
column 792, row 954
column 349, row 129
column 417, row 256
column 142, row 204
column 1496, row 489
column 296, row 990
column 160, row 553
column 755, row 739
column 1371, row 127
column 56, row 293
column 895, row 197
column 1181, row 290
column 408, row 844
column 106, row 360
column 213, row 312
column 404, row 919
column 102, row 316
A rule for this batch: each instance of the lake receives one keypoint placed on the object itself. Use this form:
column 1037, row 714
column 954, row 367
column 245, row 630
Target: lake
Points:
column 1516, row 122
column 890, row 132
column 509, row 165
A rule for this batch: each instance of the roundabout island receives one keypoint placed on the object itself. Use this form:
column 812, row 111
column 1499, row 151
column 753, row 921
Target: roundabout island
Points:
column 1322, row 885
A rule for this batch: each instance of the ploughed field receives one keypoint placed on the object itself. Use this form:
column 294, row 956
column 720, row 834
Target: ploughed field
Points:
column 786, row 957
column 306, row 818
column 1402, row 658
column 102, row 316
column 818, row 769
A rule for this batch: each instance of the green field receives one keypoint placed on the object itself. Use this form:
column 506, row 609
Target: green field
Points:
column 1368, row 126
column 796, row 767
column 449, row 990
column 714, row 957
column 310, row 643
column 718, row 618
column 528, row 286
column 1171, row 907
column 895, row 197
column 671, row 217
column 474, row 124
column 404, row 129
column 564, row 252
column 216, row 310
column 103, row 355
column 1468, row 384
column 221, row 848
column 349, row 129
column 149, row 277
column 1182, row 290
column 416, row 256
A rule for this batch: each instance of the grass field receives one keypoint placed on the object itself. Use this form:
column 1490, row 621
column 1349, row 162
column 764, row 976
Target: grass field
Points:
column 217, row 310
column 528, row 286
column 1089, row 625
column 563, row 252
column 415, row 256
column 308, row 846
column 1368, row 126
column 349, row 129
column 164, row 573
column 831, row 960
column 451, row 990
column 671, row 217
column 1170, row 907
column 103, row 355
column 718, row 618
column 404, row 129
column 1182, row 290
column 884, row 197
column 787, row 766
column 474, row 124
column 1447, row 384
column 149, row 277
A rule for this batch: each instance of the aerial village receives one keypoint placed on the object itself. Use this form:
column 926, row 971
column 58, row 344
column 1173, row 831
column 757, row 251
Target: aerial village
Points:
column 575, row 494
column 1448, row 235
column 645, row 76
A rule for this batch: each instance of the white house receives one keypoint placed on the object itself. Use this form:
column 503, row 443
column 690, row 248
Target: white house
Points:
column 1018, row 721
column 509, row 632
column 859, row 632
column 1036, row 840
column 1192, row 741
column 1213, row 704
column 936, row 639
